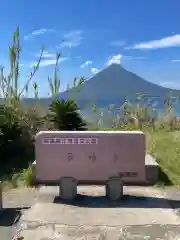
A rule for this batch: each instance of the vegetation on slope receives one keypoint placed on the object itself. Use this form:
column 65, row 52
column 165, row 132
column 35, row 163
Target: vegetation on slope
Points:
column 19, row 123
column 165, row 147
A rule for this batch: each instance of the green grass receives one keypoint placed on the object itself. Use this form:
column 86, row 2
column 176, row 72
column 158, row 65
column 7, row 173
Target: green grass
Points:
column 27, row 175
column 165, row 147
column 23, row 178
column 17, row 173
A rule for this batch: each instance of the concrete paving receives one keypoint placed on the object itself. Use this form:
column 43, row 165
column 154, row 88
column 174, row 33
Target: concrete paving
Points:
column 15, row 202
column 143, row 213
column 9, row 221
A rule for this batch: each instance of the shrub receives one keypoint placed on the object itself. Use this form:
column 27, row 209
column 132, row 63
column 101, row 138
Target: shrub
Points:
column 10, row 137
column 27, row 176
column 66, row 116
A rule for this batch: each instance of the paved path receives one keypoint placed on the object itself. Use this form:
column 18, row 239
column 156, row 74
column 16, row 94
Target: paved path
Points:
column 142, row 214
column 9, row 221
column 15, row 202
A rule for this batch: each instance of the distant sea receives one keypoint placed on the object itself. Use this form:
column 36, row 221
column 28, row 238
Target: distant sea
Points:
column 103, row 113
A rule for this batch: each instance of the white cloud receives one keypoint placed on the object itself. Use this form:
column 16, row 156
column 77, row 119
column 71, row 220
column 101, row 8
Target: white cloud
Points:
column 175, row 60
column 170, row 84
column 72, row 34
column 79, row 57
column 140, row 58
column 128, row 57
column 47, row 54
column 71, row 39
column 48, row 62
column 95, row 70
column 27, row 37
column 118, row 58
column 37, row 32
column 133, row 57
column 166, row 42
column 117, row 43
column 114, row 59
column 86, row 64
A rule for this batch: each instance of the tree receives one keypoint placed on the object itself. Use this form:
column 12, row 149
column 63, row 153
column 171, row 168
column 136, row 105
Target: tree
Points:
column 65, row 115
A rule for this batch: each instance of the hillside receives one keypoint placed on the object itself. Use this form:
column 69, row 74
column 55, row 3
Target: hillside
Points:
column 114, row 83
column 111, row 85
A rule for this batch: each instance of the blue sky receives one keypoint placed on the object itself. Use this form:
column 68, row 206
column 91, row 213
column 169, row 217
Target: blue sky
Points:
column 142, row 35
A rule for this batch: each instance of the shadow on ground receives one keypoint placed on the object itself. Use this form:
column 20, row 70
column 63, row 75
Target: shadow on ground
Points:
column 163, row 177
column 127, row 201
column 10, row 216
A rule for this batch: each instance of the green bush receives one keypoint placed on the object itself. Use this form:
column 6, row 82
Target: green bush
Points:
column 10, row 137
column 66, row 116
column 27, row 176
